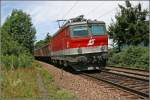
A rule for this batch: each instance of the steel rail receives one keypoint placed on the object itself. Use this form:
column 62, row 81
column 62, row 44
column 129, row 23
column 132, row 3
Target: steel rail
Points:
column 128, row 68
column 127, row 72
column 137, row 92
column 134, row 77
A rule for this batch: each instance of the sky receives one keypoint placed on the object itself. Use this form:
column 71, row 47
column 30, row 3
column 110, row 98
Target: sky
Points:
column 44, row 14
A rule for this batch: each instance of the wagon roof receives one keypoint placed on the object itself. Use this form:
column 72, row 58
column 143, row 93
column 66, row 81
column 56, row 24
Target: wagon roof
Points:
column 42, row 47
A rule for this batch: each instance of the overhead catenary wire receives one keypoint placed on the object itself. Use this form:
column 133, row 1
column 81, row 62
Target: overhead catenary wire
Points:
column 106, row 13
column 63, row 17
column 94, row 8
column 69, row 10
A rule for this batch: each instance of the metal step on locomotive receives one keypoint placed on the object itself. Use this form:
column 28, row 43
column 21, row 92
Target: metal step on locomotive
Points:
column 80, row 43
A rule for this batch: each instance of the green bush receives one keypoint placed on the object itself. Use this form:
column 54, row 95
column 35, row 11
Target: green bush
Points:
column 132, row 56
column 14, row 62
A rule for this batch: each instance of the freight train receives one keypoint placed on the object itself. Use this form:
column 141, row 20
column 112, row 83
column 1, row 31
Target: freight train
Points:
column 80, row 43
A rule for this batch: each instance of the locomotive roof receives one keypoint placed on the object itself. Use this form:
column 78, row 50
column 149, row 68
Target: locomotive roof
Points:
column 69, row 23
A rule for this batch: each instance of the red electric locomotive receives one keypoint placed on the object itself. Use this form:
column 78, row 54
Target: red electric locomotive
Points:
column 81, row 44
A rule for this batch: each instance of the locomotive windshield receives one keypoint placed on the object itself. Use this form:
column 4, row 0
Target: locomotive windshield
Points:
column 84, row 30
column 80, row 31
column 97, row 29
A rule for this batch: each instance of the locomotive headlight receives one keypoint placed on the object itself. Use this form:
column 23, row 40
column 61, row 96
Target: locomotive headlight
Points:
column 102, row 48
column 79, row 50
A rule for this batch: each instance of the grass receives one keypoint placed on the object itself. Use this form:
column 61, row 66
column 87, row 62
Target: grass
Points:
column 22, row 83
column 54, row 91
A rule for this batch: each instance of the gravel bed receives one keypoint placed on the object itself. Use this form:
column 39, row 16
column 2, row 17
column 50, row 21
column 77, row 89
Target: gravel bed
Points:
column 83, row 88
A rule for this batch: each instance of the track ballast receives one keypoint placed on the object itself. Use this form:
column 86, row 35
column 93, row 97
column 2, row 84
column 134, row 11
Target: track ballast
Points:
column 131, row 84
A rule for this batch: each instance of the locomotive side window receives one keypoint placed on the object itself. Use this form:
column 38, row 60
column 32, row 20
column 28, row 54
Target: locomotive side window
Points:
column 97, row 29
column 79, row 31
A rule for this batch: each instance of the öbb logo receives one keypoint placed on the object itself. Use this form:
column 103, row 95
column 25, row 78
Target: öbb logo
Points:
column 91, row 42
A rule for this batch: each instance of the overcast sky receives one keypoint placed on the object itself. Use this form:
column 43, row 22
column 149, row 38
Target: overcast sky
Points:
column 45, row 13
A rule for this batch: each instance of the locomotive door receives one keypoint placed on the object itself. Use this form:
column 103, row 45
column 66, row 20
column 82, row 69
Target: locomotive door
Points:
column 63, row 46
column 63, row 43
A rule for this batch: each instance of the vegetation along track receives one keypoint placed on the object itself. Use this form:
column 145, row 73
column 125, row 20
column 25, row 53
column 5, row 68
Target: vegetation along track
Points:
column 131, row 84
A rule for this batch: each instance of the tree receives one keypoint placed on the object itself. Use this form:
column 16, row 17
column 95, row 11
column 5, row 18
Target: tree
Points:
column 48, row 38
column 130, row 27
column 43, row 42
column 19, row 28
column 39, row 44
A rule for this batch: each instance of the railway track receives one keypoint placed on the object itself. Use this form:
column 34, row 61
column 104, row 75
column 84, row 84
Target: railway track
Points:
column 130, row 84
column 140, row 74
column 128, row 68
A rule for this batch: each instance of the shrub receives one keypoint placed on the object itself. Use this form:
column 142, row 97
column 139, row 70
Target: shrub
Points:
column 14, row 62
column 132, row 56
column 25, row 60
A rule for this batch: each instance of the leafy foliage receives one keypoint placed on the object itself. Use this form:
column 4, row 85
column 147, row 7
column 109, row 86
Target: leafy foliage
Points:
column 130, row 27
column 14, row 62
column 18, row 27
column 133, row 56
column 17, row 38
column 43, row 42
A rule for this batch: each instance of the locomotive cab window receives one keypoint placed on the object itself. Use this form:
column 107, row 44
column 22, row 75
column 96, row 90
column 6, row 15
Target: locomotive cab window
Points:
column 79, row 31
column 97, row 29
